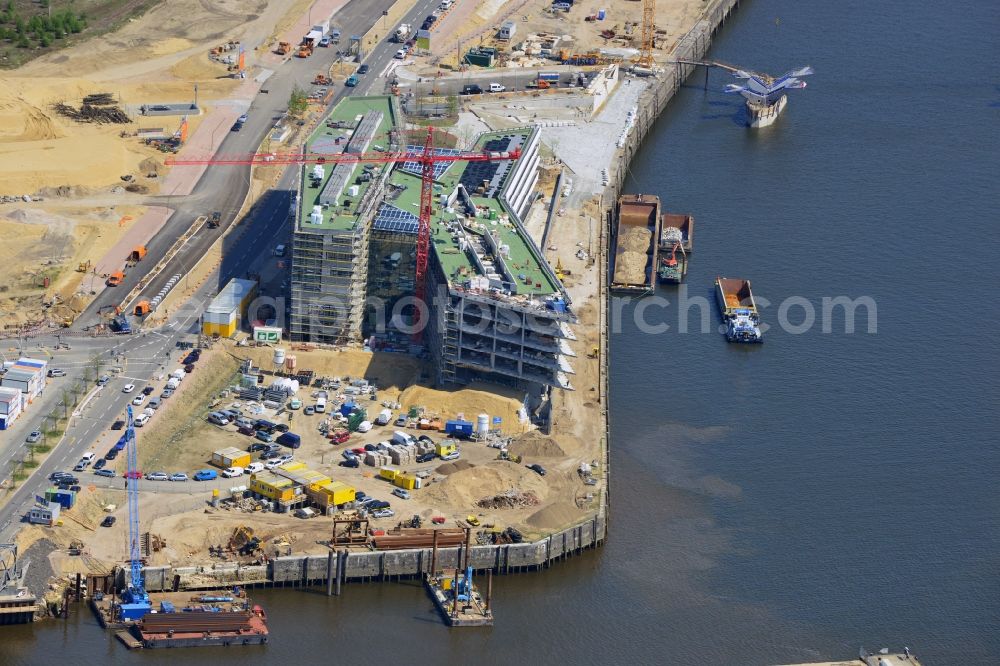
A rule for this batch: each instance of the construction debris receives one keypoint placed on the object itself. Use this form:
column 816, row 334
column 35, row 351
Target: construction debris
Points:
column 98, row 108
column 510, row 499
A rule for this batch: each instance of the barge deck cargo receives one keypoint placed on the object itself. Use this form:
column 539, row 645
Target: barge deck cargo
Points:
column 198, row 629
column 739, row 310
column 458, row 600
column 636, row 234
column 677, row 227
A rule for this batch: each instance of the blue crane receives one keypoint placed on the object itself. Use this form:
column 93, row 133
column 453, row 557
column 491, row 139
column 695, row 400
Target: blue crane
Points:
column 135, row 601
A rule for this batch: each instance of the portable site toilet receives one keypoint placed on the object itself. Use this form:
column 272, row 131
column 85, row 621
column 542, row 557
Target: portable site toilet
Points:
column 507, row 30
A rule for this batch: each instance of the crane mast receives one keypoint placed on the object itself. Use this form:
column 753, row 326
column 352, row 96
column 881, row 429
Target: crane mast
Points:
column 135, row 601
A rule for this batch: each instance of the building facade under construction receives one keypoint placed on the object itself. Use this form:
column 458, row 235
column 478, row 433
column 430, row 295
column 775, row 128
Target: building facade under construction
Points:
column 495, row 309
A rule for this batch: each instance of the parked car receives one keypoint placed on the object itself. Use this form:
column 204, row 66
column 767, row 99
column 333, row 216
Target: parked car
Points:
column 232, row 472
column 538, row 469
column 351, row 81
column 350, row 462
column 426, row 457
column 178, row 476
column 400, row 54
column 217, row 418
column 231, row 414
column 112, row 454
column 472, row 89
column 281, row 427
column 166, row 393
column 118, row 425
column 254, row 467
column 377, row 504
column 189, row 368
column 257, row 446
column 365, row 426
column 55, row 475
column 243, row 118
column 108, row 521
column 246, row 430
column 383, row 513
column 157, row 476
column 401, row 493
column 205, row 475
column 128, row 388
column 309, row 410
column 454, row 455
column 138, row 400
column 154, row 403
column 348, row 454
column 497, row 88
column 101, row 462
column 270, row 455
column 294, row 403
column 271, row 464
column 80, row 466
column 104, row 379
column 401, row 421
column 110, row 473
column 34, row 436
column 325, row 42
column 264, row 436
column 57, row 372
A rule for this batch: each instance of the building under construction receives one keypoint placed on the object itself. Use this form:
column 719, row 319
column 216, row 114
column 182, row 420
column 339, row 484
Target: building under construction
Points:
column 497, row 312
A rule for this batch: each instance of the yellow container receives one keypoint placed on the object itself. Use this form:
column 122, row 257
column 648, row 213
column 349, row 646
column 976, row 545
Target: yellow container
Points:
column 446, row 583
column 405, row 481
column 445, row 448
column 388, row 473
column 230, row 457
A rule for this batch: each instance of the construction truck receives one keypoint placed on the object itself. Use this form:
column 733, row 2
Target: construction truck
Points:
column 305, row 48
column 142, row 308
column 402, row 33
column 540, row 84
column 120, row 325
column 214, row 220
column 115, row 279
column 137, row 254
column 284, row 48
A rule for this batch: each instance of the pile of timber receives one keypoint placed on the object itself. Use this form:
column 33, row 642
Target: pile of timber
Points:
column 98, row 108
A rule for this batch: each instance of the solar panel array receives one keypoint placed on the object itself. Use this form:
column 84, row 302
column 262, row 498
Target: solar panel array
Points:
column 390, row 218
column 439, row 169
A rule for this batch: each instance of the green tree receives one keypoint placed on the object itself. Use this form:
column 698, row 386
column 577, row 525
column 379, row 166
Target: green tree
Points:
column 298, row 102
column 45, row 40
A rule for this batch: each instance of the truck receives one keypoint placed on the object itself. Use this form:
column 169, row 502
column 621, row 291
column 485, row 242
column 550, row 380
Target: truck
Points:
column 214, row 220
column 115, row 279
column 284, row 48
column 402, row 33
column 137, row 254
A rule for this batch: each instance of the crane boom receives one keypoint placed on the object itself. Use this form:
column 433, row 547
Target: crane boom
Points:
column 135, row 602
column 425, row 157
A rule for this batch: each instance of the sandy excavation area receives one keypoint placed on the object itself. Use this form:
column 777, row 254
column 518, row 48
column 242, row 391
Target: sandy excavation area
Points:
column 77, row 168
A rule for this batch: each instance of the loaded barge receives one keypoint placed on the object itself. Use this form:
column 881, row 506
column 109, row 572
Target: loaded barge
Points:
column 197, row 629
column 636, row 234
column 739, row 310
column 676, row 234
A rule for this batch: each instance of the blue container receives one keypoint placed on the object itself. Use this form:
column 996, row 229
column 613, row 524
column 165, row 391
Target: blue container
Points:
column 166, row 607
column 458, row 428
column 600, row 14
column 347, row 408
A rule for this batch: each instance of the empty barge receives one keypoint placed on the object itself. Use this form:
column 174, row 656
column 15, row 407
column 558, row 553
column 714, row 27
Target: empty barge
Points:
column 636, row 234
column 739, row 310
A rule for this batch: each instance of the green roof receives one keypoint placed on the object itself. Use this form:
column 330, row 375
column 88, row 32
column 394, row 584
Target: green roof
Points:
column 347, row 111
column 456, row 264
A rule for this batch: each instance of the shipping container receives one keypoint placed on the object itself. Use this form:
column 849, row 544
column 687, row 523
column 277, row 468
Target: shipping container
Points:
column 388, row 473
column 230, row 457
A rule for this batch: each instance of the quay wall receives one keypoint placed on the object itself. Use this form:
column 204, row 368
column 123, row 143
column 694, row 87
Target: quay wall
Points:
column 296, row 570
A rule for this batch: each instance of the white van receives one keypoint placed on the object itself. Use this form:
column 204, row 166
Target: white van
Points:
column 496, row 87
column 446, row 4
column 232, row 472
column 321, row 404
column 141, row 420
column 87, row 457
column 173, row 383
column 400, row 437
column 178, row 374
column 279, row 251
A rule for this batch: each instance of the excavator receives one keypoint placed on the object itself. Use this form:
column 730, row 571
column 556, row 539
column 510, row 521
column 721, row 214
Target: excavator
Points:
column 672, row 271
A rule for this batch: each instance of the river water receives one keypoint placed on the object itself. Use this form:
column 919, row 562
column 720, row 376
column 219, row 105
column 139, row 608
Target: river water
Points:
column 787, row 502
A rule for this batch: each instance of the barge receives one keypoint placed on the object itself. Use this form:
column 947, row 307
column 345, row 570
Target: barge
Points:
column 197, row 629
column 673, row 268
column 739, row 310
column 458, row 600
column 636, row 234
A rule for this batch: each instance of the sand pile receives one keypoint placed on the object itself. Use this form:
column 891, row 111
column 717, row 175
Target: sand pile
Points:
column 555, row 516
column 452, row 467
column 631, row 257
column 470, row 402
column 536, row 445
column 464, row 488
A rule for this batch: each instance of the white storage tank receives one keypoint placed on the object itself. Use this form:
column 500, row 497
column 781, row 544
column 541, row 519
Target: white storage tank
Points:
column 482, row 424
column 279, row 356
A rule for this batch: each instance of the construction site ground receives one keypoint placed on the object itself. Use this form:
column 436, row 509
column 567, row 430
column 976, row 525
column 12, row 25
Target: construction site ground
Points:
column 471, row 23
column 73, row 172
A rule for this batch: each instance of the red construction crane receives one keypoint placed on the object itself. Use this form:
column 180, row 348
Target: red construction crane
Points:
column 425, row 158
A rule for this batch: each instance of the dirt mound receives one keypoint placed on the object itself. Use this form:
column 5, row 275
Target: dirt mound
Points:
column 464, row 488
column 152, row 165
column 536, row 445
column 554, row 516
column 452, row 467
